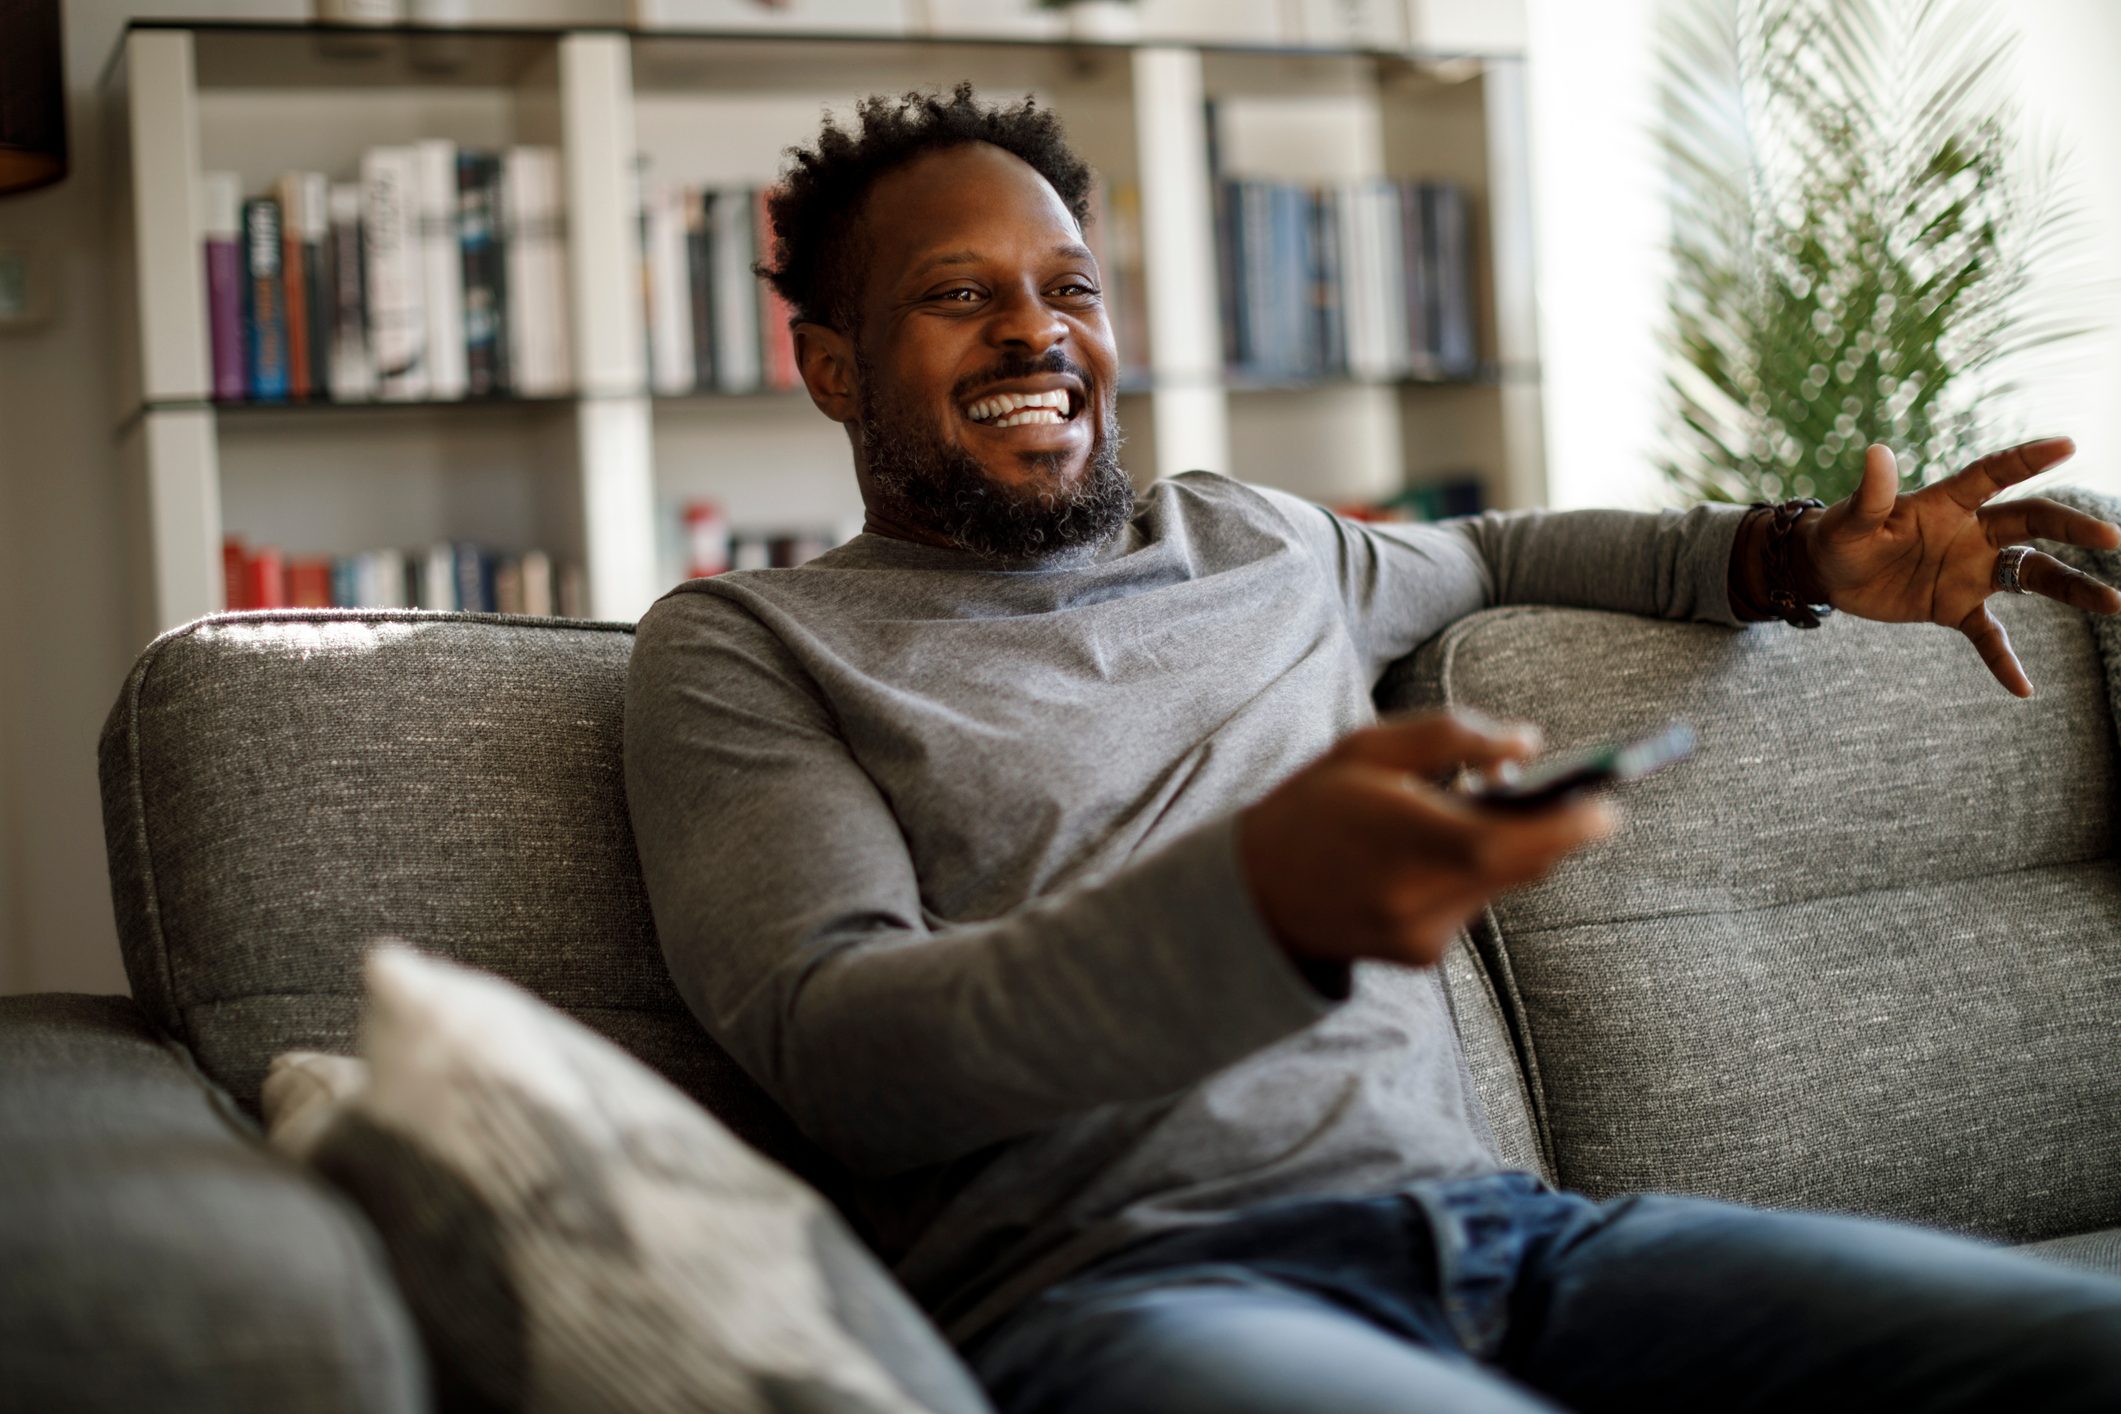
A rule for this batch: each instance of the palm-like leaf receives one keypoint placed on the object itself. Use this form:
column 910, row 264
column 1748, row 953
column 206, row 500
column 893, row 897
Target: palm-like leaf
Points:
column 1852, row 243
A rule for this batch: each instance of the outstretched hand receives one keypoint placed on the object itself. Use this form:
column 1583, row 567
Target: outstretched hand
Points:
column 1929, row 556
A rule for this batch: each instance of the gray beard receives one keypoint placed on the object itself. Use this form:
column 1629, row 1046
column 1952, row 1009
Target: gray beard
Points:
column 923, row 480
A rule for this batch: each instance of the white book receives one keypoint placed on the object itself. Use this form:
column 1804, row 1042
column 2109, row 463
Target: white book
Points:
column 669, row 291
column 537, row 290
column 438, row 577
column 537, row 583
column 1361, row 318
column 397, row 303
column 442, row 258
column 383, row 580
column 736, row 295
column 353, row 372
column 1392, row 278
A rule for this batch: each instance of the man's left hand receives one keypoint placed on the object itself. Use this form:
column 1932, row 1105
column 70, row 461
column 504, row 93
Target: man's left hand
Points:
column 1929, row 556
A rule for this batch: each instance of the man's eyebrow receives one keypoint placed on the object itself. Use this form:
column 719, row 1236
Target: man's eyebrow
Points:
column 1067, row 250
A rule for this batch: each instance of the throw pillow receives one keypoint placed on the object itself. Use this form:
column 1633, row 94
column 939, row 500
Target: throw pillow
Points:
column 573, row 1232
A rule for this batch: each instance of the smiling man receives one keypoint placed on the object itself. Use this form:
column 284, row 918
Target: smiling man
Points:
column 1022, row 849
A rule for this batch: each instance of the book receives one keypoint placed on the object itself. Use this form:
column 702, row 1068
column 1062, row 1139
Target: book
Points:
column 1448, row 228
column 235, row 578
column 221, row 197
column 438, row 577
column 539, row 591
column 699, row 272
column 395, row 283
column 264, row 313
column 483, row 274
column 442, row 267
column 736, row 303
column 535, row 253
column 309, row 583
column 669, row 274
column 305, row 223
column 352, row 371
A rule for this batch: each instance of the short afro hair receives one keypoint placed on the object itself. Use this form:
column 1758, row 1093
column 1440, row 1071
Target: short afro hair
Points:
column 816, row 209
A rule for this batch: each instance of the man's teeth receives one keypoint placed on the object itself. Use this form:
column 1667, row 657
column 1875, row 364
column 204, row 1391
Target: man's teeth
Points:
column 1015, row 409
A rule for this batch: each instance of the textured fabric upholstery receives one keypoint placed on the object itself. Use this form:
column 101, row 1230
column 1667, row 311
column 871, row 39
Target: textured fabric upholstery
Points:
column 1863, row 952
column 156, row 1257
column 283, row 787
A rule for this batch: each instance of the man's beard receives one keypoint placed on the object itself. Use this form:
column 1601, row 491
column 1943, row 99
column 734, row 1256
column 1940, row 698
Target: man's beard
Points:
column 924, row 480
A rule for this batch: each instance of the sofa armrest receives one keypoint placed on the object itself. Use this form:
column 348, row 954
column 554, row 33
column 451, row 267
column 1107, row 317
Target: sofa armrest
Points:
column 157, row 1255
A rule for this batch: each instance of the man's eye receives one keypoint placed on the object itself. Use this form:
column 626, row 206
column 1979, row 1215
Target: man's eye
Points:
column 1075, row 285
column 952, row 294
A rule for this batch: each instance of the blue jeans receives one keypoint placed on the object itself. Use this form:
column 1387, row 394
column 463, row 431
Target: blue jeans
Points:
column 1499, row 1294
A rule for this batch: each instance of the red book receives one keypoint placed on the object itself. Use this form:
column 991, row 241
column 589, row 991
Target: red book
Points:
column 235, row 574
column 268, row 584
column 309, row 583
column 776, row 339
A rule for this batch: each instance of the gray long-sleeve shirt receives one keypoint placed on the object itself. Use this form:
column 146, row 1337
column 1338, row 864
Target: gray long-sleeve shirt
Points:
column 943, row 855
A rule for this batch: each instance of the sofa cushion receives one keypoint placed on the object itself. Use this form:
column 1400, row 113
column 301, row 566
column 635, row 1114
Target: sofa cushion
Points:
column 157, row 1256
column 281, row 786
column 1862, row 952
column 575, row 1233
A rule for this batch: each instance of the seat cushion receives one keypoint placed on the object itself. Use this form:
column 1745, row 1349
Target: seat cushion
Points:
column 1862, row 952
column 157, row 1257
column 283, row 787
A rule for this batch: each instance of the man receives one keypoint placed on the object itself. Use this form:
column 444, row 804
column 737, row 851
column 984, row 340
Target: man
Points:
column 1021, row 848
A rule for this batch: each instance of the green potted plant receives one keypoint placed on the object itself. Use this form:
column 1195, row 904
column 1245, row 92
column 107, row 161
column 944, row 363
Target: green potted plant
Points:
column 1855, row 235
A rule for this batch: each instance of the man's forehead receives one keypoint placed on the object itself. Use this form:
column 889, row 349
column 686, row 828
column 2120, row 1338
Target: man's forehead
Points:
column 943, row 260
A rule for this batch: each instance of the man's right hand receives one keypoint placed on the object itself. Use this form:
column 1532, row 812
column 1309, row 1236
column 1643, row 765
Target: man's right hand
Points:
column 1364, row 853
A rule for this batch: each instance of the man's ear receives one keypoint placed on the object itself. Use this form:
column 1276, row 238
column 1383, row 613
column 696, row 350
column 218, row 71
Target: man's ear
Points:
column 826, row 358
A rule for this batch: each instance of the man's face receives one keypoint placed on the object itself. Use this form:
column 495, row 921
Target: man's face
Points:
column 979, row 293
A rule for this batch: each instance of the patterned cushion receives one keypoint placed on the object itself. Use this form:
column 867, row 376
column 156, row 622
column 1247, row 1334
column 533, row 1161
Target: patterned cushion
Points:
column 574, row 1233
column 1862, row 952
column 279, row 786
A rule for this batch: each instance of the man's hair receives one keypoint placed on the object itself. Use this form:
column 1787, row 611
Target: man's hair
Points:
column 819, row 260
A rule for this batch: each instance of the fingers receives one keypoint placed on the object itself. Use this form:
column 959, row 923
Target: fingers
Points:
column 1994, row 646
column 1877, row 491
column 1490, row 850
column 1435, row 744
column 1973, row 485
column 2038, row 518
column 2044, row 574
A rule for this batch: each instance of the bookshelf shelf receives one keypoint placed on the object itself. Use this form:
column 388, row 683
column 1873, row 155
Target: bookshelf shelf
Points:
column 597, row 474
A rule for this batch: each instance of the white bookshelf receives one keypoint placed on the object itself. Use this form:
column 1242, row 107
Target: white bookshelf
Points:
column 592, row 476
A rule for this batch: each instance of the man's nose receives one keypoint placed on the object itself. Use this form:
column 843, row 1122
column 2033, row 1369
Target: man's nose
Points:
column 1022, row 317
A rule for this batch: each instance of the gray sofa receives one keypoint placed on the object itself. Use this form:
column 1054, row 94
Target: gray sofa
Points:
column 1862, row 953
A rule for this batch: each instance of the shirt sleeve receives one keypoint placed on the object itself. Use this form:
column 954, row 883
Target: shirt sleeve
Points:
column 789, row 913
column 1402, row 584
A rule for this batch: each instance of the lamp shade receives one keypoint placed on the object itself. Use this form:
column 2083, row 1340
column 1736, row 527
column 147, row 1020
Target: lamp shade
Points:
column 32, row 96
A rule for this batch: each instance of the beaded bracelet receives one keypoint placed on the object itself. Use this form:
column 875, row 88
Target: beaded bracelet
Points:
column 1781, row 592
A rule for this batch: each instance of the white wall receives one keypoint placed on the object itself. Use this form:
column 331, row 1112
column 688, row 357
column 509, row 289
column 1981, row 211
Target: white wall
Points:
column 1602, row 233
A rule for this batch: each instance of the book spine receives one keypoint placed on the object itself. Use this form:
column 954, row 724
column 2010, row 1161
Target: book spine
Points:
column 1415, row 247
column 778, row 351
column 441, row 263
column 1457, row 344
column 538, row 589
column 264, row 316
column 1230, row 253
column 699, row 272
column 222, row 199
column 669, row 292
column 536, row 314
column 481, row 274
column 474, row 578
column 346, row 582
column 294, row 295
column 267, row 580
column 1392, row 273
column 397, row 318
column 319, row 295
column 353, row 374
column 235, row 573
column 438, row 577
column 736, row 333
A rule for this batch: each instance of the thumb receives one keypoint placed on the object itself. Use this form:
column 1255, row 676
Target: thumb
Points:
column 1434, row 744
column 1876, row 492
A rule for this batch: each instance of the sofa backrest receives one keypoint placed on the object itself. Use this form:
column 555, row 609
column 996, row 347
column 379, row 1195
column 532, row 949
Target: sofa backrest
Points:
column 281, row 788
column 1861, row 952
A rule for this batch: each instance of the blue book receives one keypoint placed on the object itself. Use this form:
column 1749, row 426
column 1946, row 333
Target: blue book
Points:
column 346, row 581
column 474, row 578
column 264, row 302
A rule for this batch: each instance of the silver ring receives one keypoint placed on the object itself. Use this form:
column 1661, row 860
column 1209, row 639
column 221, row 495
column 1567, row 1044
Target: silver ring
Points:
column 2009, row 565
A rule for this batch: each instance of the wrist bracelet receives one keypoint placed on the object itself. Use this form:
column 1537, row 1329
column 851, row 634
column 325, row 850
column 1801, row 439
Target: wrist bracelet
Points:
column 1775, row 557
